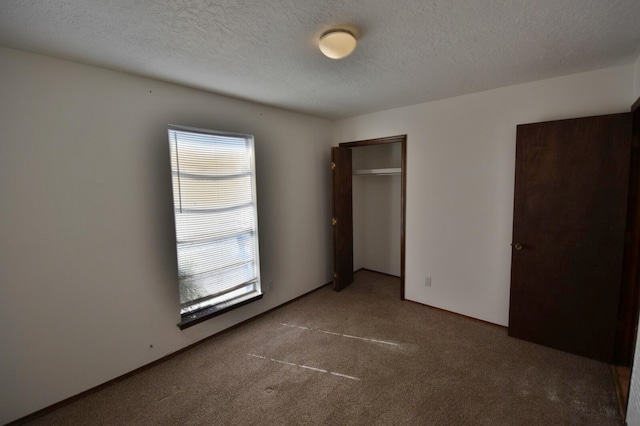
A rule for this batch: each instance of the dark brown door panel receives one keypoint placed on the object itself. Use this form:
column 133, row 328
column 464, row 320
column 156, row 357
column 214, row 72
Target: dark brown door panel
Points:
column 342, row 218
column 568, row 232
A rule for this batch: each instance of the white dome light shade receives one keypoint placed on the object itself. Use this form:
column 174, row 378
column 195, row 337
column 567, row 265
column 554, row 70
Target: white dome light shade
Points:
column 337, row 44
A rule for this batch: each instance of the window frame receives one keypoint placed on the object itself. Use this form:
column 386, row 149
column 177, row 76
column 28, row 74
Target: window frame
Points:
column 191, row 318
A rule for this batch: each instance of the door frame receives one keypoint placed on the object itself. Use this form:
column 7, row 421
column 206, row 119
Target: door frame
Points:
column 629, row 308
column 402, row 139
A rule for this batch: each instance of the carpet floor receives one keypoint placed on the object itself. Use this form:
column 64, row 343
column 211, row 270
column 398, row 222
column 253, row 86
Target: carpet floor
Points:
column 358, row 357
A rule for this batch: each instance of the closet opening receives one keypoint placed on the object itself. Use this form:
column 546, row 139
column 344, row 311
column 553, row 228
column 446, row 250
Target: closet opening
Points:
column 369, row 208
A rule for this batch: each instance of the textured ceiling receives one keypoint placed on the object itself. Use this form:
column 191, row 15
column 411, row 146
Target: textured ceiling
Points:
column 266, row 51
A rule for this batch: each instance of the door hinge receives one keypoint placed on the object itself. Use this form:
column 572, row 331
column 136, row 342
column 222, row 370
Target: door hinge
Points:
column 335, row 275
column 334, row 221
column 333, row 165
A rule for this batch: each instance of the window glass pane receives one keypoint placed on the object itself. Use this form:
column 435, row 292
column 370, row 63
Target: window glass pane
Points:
column 213, row 194
column 224, row 300
column 209, row 256
column 194, row 289
column 210, row 155
column 210, row 225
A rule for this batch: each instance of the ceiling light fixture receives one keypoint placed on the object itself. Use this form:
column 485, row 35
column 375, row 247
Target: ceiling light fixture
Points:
column 337, row 44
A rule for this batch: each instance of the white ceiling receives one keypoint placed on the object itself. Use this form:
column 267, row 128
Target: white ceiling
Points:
column 266, row 51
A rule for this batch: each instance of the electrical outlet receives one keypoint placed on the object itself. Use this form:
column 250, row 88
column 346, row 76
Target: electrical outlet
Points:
column 427, row 281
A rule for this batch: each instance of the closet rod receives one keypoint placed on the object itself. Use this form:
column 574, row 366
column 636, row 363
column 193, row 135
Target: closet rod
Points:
column 383, row 172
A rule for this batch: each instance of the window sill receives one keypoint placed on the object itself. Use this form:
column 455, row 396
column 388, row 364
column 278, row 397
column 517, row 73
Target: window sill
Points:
column 197, row 317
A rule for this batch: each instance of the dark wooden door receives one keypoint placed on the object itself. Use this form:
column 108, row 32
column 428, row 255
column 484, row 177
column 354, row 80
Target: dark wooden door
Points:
column 571, row 184
column 342, row 218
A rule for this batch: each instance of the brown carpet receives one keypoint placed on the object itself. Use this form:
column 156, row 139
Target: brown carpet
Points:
column 310, row 363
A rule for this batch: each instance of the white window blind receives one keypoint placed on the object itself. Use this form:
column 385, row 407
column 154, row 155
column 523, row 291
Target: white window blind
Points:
column 214, row 195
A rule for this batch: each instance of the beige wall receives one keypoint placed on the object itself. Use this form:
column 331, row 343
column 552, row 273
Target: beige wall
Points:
column 87, row 259
column 376, row 220
column 461, row 158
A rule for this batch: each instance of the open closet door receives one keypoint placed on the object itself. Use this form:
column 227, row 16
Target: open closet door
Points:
column 342, row 218
column 568, row 232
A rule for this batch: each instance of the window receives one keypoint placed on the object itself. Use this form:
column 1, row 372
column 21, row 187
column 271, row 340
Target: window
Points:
column 214, row 198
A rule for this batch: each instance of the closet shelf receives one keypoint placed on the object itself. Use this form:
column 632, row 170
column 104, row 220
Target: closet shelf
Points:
column 381, row 172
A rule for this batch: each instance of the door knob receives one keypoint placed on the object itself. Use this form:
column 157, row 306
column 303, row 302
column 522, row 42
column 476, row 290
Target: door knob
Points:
column 517, row 246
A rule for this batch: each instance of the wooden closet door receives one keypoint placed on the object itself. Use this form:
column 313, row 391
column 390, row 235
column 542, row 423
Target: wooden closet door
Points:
column 342, row 218
column 571, row 184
